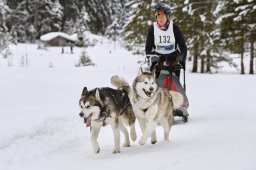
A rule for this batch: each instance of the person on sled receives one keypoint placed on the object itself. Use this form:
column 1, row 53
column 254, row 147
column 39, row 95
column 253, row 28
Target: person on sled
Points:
column 165, row 39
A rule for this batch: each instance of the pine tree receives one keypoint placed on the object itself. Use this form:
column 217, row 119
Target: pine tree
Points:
column 72, row 10
column 81, row 27
column 238, row 26
column 119, row 16
column 182, row 18
column 99, row 15
column 47, row 16
column 203, row 34
column 193, row 31
column 32, row 18
column 17, row 20
column 247, row 10
column 141, row 17
column 4, row 33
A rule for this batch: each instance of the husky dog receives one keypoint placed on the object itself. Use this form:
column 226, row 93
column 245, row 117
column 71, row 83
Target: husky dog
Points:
column 103, row 106
column 152, row 104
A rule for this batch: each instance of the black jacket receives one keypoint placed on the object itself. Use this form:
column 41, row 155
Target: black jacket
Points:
column 178, row 39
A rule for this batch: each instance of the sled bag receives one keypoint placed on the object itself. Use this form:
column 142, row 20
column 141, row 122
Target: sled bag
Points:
column 172, row 83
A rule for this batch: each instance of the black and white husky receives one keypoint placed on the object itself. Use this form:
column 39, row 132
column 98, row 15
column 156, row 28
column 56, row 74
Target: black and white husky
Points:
column 152, row 104
column 103, row 106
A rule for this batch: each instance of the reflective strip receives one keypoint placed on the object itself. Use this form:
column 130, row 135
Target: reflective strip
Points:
column 165, row 48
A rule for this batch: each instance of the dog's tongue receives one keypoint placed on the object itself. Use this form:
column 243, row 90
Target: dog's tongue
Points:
column 88, row 121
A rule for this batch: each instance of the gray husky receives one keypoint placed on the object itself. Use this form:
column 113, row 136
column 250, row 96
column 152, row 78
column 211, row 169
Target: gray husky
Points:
column 103, row 106
column 152, row 104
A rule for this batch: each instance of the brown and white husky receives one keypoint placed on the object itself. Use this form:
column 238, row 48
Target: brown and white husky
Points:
column 102, row 106
column 152, row 104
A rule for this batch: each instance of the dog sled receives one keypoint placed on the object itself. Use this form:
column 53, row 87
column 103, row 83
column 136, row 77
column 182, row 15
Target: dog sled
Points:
column 167, row 77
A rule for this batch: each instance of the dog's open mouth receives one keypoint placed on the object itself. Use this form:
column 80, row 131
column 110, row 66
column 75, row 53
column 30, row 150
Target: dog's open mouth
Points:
column 147, row 93
column 88, row 120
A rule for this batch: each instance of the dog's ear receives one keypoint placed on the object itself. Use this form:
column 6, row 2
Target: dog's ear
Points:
column 85, row 92
column 153, row 72
column 140, row 72
column 97, row 94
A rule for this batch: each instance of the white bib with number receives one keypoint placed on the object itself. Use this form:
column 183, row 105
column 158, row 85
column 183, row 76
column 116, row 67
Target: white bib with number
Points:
column 164, row 40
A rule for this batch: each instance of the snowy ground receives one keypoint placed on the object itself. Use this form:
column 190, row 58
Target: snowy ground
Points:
column 41, row 129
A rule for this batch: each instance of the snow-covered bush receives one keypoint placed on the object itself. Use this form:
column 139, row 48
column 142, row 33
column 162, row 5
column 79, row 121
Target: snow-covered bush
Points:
column 84, row 60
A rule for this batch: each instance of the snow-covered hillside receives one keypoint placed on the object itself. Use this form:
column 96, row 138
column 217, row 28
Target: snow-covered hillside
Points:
column 41, row 129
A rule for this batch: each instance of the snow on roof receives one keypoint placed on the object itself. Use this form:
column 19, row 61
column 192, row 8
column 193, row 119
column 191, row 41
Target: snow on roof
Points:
column 52, row 35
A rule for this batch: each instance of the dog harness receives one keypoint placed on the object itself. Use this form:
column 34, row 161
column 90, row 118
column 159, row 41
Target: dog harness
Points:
column 103, row 115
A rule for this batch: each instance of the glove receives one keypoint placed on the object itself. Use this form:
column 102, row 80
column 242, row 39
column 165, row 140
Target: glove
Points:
column 181, row 61
column 176, row 67
column 183, row 64
column 180, row 58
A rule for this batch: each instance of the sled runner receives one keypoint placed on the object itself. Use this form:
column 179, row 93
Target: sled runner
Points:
column 167, row 77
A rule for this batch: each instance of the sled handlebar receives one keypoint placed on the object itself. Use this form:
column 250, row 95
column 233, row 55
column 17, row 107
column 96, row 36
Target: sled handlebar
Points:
column 154, row 57
column 150, row 58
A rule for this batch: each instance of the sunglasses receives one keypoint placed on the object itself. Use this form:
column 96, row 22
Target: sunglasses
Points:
column 159, row 13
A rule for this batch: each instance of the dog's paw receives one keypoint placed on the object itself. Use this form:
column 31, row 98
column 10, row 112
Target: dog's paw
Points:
column 153, row 139
column 166, row 141
column 153, row 142
column 126, row 145
column 116, row 150
column 134, row 137
column 96, row 151
column 142, row 141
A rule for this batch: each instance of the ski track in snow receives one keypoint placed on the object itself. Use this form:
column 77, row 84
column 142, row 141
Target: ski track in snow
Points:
column 59, row 134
